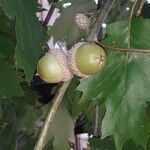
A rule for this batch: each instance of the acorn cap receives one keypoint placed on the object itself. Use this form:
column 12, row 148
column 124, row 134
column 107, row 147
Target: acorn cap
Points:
column 62, row 61
column 72, row 62
column 82, row 20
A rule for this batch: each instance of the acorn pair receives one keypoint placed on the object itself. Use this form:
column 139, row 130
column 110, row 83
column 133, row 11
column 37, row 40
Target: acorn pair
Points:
column 83, row 59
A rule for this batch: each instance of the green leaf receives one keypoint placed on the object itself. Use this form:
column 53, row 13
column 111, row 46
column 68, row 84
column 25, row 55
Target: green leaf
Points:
column 28, row 32
column 90, row 116
column 49, row 145
column 105, row 144
column 140, row 33
column 7, row 37
column 7, row 47
column 25, row 142
column 9, row 86
column 28, row 120
column 31, row 96
column 129, row 145
column 8, row 128
column 62, row 129
column 72, row 99
column 7, row 26
column 9, row 83
column 70, row 33
column 109, row 144
column 123, row 85
column 12, row 137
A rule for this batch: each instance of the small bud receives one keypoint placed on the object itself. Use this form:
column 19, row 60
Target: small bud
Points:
column 82, row 21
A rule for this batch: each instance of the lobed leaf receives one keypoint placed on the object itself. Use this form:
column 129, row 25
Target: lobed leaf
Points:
column 124, row 84
column 28, row 120
column 8, row 127
column 9, row 85
column 28, row 32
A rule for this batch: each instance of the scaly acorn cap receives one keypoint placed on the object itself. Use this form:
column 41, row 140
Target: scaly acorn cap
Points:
column 82, row 21
column 64, row 73
column 62, row 61
column 72, row 61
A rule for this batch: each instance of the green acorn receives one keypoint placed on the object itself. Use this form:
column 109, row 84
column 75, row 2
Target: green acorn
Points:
column 86, row 59
column 53, row 67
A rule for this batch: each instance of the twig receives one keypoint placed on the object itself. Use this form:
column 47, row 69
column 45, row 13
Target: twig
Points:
column 49, row 15
column 101, row 18
column 123, row 49
column 138, row 13
column 49, row 119
column 99, row 4
column 96, row 121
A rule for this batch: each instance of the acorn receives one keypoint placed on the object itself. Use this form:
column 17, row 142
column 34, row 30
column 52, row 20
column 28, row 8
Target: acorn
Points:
column 53, row 67
column 86, row 59
column 82, row 21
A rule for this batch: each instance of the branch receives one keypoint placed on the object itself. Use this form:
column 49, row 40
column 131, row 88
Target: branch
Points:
column 103, row 12
column 123, row 49
column 49, row 15
column 50, row 116
column 138, row 13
